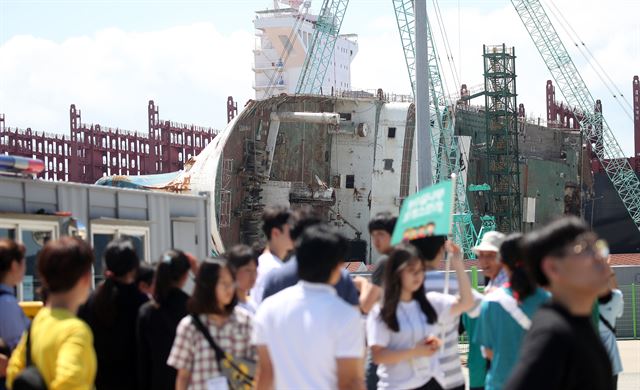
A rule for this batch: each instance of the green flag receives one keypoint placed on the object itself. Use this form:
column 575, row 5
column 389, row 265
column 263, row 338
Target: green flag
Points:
column 426, row 213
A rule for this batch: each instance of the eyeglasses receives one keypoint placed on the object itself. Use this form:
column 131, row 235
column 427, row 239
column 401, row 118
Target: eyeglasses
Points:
column 599, row 249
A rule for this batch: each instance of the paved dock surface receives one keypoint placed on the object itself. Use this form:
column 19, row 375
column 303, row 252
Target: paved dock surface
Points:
column 629, row 379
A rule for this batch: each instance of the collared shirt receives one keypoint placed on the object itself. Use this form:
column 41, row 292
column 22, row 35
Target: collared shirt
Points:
column 267, row 262
column 192, row 352
column 306, row 328
column 13, row 322
column 497, row 282
column 499, row 331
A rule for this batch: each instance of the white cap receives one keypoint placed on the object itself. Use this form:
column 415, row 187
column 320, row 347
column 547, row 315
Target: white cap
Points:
column 491, row 242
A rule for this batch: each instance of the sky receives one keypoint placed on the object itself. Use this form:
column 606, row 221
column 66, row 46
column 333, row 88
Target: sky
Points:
column 110, row 57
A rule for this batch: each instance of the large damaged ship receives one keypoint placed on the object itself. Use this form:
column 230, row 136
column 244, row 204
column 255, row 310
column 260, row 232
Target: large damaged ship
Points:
column 347, row 157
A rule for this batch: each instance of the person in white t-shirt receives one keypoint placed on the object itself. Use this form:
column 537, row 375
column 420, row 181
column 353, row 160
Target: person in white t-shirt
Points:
column 307, row 337
column 275, row 225
column 403, row 331
column 244, row 265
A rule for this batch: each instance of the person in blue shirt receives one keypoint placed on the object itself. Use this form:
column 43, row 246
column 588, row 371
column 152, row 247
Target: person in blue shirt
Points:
column 506, row 314
column 287, row 275
column 13, row 321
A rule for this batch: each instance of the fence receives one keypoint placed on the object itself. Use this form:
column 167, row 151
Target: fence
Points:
column 627, row 325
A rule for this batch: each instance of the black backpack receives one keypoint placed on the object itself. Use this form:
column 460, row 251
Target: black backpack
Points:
column 30, row 378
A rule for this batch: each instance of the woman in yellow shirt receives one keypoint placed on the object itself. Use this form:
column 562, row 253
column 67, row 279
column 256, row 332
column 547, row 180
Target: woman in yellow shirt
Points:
column 61, row 344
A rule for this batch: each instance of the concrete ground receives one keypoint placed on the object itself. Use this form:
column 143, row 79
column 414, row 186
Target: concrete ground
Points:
column 629, row 379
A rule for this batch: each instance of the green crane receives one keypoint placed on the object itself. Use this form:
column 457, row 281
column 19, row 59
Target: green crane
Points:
column 593, row 127
column 446, row 153
column 322, row 45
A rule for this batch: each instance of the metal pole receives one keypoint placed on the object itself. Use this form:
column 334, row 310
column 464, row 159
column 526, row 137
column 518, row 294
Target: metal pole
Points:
column 634, row 311
column 474, row 277
column 423, row 120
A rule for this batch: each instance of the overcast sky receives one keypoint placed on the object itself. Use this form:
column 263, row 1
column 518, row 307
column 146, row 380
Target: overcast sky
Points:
column 111, row 57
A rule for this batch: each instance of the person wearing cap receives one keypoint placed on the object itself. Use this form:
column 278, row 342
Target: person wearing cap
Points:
column 488, row 254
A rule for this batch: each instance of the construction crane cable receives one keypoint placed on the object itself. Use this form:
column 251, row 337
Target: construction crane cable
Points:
column 589, row 57
column 596, row 71
column 591, row 54
column 445, row 38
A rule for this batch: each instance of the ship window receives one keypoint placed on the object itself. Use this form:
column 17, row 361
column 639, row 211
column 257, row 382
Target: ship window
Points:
column 392, row 132
column 388, row 164
column 345, row 116
column 351, row 180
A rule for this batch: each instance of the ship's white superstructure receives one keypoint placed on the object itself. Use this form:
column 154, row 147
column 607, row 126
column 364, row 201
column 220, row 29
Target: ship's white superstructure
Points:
column 283, row 38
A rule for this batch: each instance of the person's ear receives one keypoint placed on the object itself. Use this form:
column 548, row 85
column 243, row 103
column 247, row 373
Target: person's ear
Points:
column 549, row 268
column 86, row 279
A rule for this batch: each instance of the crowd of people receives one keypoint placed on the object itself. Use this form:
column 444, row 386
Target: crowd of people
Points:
column 289, row 316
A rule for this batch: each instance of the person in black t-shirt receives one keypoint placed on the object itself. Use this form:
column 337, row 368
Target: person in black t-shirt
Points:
column 562, row 349
column 158, row 320
column 111, row 312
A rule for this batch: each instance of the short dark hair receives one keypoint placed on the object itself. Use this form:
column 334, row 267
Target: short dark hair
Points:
column 428, row 247
column 173, row 266
column 10, row 251
column 383, row 221
column 204, row 300
column 303, row 218
column 319, row 250
column 120, row 256
column 274, row 217
column 239, row 256
column 62, row 262
column 145, row 274
column 551, row 240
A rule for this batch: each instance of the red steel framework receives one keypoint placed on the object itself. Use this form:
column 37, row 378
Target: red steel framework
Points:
column 93, row 151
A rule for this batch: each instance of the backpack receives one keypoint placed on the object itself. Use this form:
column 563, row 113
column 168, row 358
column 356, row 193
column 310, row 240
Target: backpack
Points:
column 30, row 378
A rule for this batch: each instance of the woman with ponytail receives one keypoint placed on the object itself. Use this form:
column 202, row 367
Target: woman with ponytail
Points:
column 506, row 314
column 158, row 320
column 401, row 332
column 112, row 312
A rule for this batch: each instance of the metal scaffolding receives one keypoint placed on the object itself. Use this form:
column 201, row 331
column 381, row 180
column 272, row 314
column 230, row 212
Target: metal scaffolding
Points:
column 501, row 123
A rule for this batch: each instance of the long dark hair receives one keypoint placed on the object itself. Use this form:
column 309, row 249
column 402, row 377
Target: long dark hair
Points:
column 173, row 266
column 512, row 256
column 204, row 299
column 401, row 256
column 120, row 258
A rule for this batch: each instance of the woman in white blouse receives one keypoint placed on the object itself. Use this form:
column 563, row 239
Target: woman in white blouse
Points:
column 402, row 331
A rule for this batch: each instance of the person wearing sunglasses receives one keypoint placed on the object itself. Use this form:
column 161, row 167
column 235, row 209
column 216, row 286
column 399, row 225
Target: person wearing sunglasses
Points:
column 562, row 349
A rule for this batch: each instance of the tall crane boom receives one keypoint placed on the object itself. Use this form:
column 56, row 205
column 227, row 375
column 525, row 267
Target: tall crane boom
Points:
column 445, row 150
column 575, row 91
column 322, row 45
